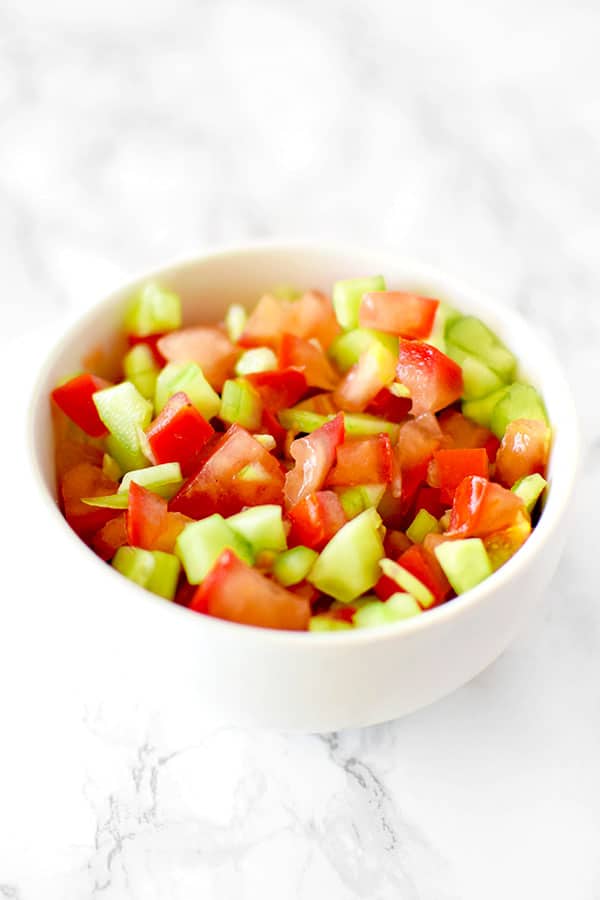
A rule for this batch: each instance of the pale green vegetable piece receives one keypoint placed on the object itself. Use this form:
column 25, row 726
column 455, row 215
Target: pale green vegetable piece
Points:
column 189, row 378
column 153, row 310
column 261, row 527
column 465, row 563
column 235, row 322
column 123, row 410
column 257, row 359
column 201, row 543
column 140, row 367
column 407, row 581
column 422, row 525
column 164, row 480
column 530, row 489
column 349, row 564
column 347, row 297
column 292, row 566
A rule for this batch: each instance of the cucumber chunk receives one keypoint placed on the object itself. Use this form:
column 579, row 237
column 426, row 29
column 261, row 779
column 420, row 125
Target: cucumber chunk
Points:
column 261, row 527
column 346, row 349
column 241, row 403
column 347, row 297
column 465, row 563
column 349, row 564
column 164, row 480
column 235, row 322
column 478, row 379
column 356, row 499
column 481, row 410
column 422, row 525
column 356, row 424
column 407, row 581
column 123, row 410
column 530, row 489
column 258, row 359
column 375, row 613
column 189, row 378
column 327, row 623
column 294, row 564
column 519, row 401
column 140, row 367
column 470, row 334
column 151, row 569
column 153, row 310
column 201, row 543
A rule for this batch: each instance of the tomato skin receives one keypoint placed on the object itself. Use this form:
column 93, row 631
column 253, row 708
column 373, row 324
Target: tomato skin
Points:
column 216, row 487
column 433, row 379
column 429, row 498
column 110, row 537
column 482, row 507
column 86, row 480
column 179, row 433
column 146, row 517
column 362, row 461
column 524, row 451
column 461, row 433
column 304, row 355
column 398, row 312
column 234, row 591
column 279, row 389
column 314, row 455
column 448, row 468
column 315, row 520
column 395, row 543
column 386, row 405
column 75, row 399
column 209, row 347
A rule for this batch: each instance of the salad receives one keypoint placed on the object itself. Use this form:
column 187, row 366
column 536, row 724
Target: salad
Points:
column 316, row 463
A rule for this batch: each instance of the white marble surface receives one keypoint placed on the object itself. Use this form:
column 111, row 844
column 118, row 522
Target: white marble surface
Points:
column 465, row 134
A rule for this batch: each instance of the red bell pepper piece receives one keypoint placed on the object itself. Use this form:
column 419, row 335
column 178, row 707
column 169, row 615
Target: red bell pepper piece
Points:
column 209, row 347
column 363, row 461
column 233, row 590
column 86, row 480
column 316, row 519
column 448, row 468
column 304, row 355
column 482, row 507
column 397, row 312
column 75, row 399
column 314, row 455
column 179, row 433
column 433, row 379
column 279, row 389
column 523, row 451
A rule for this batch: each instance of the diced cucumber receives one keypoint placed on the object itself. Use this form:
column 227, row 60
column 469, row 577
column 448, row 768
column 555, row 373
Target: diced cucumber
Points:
column 470, row 334
column 530, row 489
column 481, row 410
column 153, row 310
column 407, row 581
column 151, row 569
column 257, row 359
column 444, row 316
column 254, row 471
column 285, row 292
column 235, row 322
column 201, row 543
column 346, row 349
column 140, row 367
column 261, row 527
column 399, row 390
column 375, row 613
column 327, row 623
column 301, row 420
column 422, row 525
column 465, row 563
column 189, row 378
column 478, row 379
column 164, row 480
column 123, row 410
column 241, row 403
column 266, row 440
column 356, row 424
column 356, row 499
column 347, row 297
column 111, row 468
column 520, row 401
column 164, row 578
column 349, row 564
column 292, row 566
column 108, row 501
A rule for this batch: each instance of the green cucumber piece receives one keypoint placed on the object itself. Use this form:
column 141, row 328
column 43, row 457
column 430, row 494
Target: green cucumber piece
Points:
column 465, row 563
column 111, row 468
column 349, row 564
column 481, row 410
column 235, row 322
column 292, row 566
column 261, row 527
column 201, row 543
column 519, row 401
column 356, row 424
column 189, row 378
column 375, row 613
column 140, row 367
column 241, row 403
column 164, row 480
column 135, row 564
column 301, row 420
column 266, row 440
column 407, row 581
column 530, row 489
column 422, row 525
column 153, row 310
column 327, row 623
column 108, row 501
column 123, row 410
column 285, row 292
column 164, row 578
column 478, row 379
column 258, row 359
column 471, row 335
column 346, row 349
column 356, row 499
column 444, row 316
column 347, row 297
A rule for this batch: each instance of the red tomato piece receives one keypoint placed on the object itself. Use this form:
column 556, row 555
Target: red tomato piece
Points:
column 387, row 406
column 524, row 451
column 179, row 433
column 302, row 354
column 448, row 468
column 70, row 453
column 463, row 434
column 236, row 472
column 279, row 389
column 269, row 424
column 363, row 461
column 395, row 543
column 418, row 439
column 146, row 517
column 397, row 312
column 265, row 323
column 234, row 591
column 428, row 498
column 423, row 565
column 306, row 590
column 433, row 379
column 75, row 398
column 86, row 480
column 209, row 347
column 314, row 455
column 316, row 519
column 313, row 316
column 151, row 341
column 364, row 380
column 482, row 507
column 111, row 536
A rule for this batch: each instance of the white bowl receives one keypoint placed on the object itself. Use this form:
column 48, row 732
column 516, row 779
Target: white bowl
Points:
column 304, row 681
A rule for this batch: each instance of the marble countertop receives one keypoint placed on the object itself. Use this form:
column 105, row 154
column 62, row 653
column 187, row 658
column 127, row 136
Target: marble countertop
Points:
column 466, row 135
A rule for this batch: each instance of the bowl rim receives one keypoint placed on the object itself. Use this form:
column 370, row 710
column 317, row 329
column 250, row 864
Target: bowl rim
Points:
column 563, row 481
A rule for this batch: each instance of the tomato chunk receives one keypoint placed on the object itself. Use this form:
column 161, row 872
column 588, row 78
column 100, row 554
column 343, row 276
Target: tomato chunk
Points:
column 398, row 312
column 111, row 536
column 279, row 389
column 75, row 398
column 146, row 517
column 448, row 468
column 233, row 590
column 373, row 372
column 209, row 347
column 314, row 455
column 363, row 461
column 316, row 519
column 429, row 498
column 463, row 434
column 311, row 316
column 423, row 564
column 69, row 454
column 387, row 406
column 86, row 480
column 311, row 359
column 179, row 433
column 482, row 507
column 433, row 379
column 523, row 451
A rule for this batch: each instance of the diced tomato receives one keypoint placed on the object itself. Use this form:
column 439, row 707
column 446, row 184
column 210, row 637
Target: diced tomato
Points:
column 312, row 316
column 235, row 591
column 448, row 468
column 398, row 312
column 316, row 519
column 463, row 434
column 374, row 371
column 265, row 323
column 307, row 591
column 146, row 517
column 433, row 379
column 269, row 424
column 209, row 347
column 418, row 439
column 69, row 454
column 365, row 460
column 423, row 564
column 311, row 359
column 386, row 405
column 481, row 507
column 111, row 536
column 179, row 433
column 279, row 389
column 523, row 451
column 238, row 472
column 342, row 612
column 395, row 543
column 501, row 545
column 428, row 498
column 86, row 480
column 314, row 455
column 185, row 593
column 151, row 341
column 75, row 398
